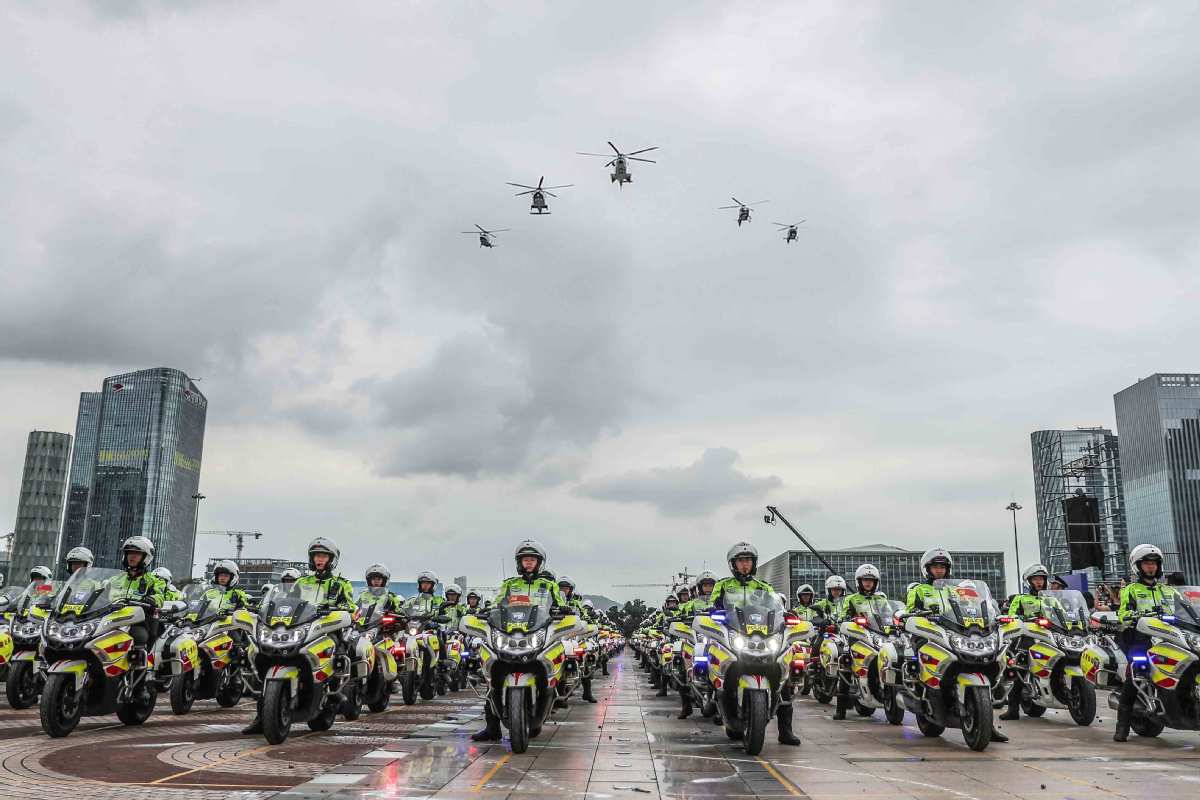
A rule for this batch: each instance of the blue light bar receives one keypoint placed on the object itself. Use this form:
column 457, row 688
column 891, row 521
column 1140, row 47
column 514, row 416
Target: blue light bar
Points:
column 1168, row 617
column 719, row 616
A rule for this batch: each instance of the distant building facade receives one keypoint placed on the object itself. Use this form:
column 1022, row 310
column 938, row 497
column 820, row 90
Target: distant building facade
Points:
column 1158, row 419
column 149, row 444
column 39, row 508
column 255, row 573
column 898, row 568
column 79, row 484
column 1066, row 462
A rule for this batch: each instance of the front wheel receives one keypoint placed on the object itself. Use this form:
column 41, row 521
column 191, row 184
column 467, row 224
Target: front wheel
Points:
column 138, row 709
column 977, row 718
column 1146, row 726
column 352, row 706
column 518, row 718
column 1032, row 709
column 378, row 696
column 21, row 687
column 61, row 706
column 893, row 708
column 1081, row 701
column 276, row 712
column 323, row 721
column 863, row 710
column 408, row 688
column 928, row 727
column 183, row 692
column 756, row 714
column 231, row 687
column 822, row 689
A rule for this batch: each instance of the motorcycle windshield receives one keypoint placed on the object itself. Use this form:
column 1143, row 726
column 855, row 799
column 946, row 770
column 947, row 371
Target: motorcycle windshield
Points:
column 755, row 611
column 966, row 603
column 90, row 590
column 371, row 606
column 1186, row 605
column 517, row 613
column 204, row 603
column 38, row 593
column 1066, row 609
column 292, row 604
column 419, row 607
column 8, row 598
column 876, row 610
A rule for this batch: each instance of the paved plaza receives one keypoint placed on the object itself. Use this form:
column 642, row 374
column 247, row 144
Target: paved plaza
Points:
column 629, row 745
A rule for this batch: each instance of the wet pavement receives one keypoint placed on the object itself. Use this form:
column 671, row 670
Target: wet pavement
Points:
column 628, row 746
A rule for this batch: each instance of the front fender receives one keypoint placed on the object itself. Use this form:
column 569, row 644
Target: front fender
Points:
column 751, row 682
column 1072, row 671
column 968, row 679
column 284, row 673
column 526, row 680
column 77, row 668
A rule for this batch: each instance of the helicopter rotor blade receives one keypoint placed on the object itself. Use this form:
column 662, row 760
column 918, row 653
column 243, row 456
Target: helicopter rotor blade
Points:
column 540, row 181
column 647, row 160
column 643, row 150
column 500, row 230
column 759, row 203
column 481, row 228
column 549, row 193
column 521, row 186
column 722, row 208
column 601, row 155
column 531, row 191
column 564, row 186
column 739, row 202
column 614, row 147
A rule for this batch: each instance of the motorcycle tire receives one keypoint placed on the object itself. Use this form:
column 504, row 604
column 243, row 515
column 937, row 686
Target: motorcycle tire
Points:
column 428, row 690
column 1082, row 701
column 408, row 688
column 323, row 721
column 822, row 690
column 1146, row 726
column 61, row 706
column 708, row 710
column 21, row 688
column 378, row 696
column 517, row 706
column 443, row 685
column 135, row 712
column 928, row 727
column 893, row 709
column 756, row 714
column 276, row 712
column 351, row 708
column 229, row 689
column 182, row 693
column 863, row 710
column 733, row 733
column 976, row 714
column 1032, row 709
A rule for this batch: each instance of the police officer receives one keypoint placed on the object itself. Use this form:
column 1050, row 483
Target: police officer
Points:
column 1146, row 594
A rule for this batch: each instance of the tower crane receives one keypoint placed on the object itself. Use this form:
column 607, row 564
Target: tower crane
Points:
column 238, row 536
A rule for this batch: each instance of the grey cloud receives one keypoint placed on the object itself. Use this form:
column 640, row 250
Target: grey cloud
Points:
column 705, row 485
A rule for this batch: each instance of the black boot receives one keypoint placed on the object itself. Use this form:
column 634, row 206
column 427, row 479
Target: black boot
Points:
column 783, row 718
column 255, row 726
column 1014, row 703
column 685, row 700
column 662, row 687
column 997, row 736
column 587, row 691
column 492, row 732
column 604, row 667
column 843, row 702
column 654, row 679
column 1125, row 711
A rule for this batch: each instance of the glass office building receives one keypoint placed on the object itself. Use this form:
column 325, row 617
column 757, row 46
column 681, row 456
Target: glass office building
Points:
column 39, row 508
column 149, row 442
column 1066, row 462
column 79, row 484
column 1158, row 419
column 898, row 568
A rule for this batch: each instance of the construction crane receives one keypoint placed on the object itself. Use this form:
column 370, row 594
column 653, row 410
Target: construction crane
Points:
column 239, row 536
column 682, row 576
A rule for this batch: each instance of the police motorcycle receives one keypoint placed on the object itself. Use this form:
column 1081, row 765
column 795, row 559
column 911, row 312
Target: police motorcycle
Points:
column 949, row 681
column 377, row 624
column 224, row 651
column 867, row 631
column 303, row 670
column 8, row 600
column 422, row 649
column 1166, row 674
column 27, row 613
column 87, row 646
column 176, row 660
column 523, row 655
column 1045, row 654
column 747, row 646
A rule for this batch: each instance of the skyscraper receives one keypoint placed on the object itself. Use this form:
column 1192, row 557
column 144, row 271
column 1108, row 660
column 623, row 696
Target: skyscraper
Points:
column 1158, row 419
column 79, row 485
column 1084, row 460
column 149, row 442
column 39, row 509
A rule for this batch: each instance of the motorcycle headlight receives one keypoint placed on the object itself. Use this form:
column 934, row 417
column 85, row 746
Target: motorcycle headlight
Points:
column 1070, row 643
column 1194, row 640
column 774, row 643
column 739, row 642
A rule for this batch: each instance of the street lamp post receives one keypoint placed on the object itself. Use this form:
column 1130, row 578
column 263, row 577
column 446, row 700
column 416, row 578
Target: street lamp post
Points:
column 195, row 532
column 1014, row 507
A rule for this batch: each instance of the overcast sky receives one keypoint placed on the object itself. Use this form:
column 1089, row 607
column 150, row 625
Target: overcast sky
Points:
column 1001, row 232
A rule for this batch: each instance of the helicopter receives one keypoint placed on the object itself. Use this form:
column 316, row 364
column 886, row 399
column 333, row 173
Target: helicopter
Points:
column 743, row 209
column 621, row 174
column 539, row 192
column 485, row 236
column 788, row 230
